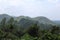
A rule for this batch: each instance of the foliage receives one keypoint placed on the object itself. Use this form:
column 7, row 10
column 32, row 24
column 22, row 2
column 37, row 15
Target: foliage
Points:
column 11, row 30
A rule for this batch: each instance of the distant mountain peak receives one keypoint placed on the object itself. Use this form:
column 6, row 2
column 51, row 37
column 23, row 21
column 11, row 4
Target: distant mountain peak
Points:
column 4, row 15
column 44, row 20
column 41, row 17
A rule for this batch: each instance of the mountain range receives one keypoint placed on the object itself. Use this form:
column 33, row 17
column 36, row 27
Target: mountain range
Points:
column 25, row 21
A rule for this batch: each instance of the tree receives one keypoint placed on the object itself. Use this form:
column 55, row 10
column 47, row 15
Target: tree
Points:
column 10, row 24
column 33, row 31
column 49, row 36
column 55, row 30
column 11, row 21
column 3, row 22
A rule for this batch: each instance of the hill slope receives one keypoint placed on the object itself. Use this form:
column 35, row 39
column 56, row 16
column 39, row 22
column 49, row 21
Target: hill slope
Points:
column 26, row 22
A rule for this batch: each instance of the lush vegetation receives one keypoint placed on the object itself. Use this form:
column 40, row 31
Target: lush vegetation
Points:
column 11, row 30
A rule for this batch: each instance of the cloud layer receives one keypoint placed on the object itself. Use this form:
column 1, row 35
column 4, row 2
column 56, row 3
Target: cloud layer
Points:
column 32, row 8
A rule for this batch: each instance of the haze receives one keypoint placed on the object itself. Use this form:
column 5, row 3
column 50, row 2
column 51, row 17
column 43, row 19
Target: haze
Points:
column 32, row 8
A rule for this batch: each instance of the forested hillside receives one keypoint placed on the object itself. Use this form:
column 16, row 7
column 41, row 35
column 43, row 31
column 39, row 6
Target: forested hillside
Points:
column 28, row 29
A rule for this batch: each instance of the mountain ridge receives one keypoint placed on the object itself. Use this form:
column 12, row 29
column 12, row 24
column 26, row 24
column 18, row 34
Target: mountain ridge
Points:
column 26, row 22
column 41, row 19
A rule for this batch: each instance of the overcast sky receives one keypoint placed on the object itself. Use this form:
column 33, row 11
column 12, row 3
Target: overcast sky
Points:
column 32, row 8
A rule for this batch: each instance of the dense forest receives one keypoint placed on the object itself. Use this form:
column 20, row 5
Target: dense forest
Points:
column 11, row 30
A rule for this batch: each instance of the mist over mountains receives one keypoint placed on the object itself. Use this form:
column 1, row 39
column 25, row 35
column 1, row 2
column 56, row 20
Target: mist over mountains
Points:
column 25, row 21
column 24, row 27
